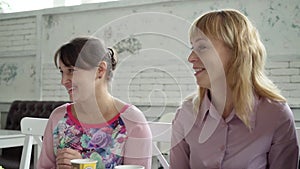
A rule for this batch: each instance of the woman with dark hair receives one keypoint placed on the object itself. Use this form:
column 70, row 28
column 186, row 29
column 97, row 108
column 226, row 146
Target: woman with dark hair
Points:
column 238, row 119
column 95, row 125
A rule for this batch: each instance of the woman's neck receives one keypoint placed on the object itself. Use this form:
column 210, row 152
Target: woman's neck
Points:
column 223, row 106
column 96, row 109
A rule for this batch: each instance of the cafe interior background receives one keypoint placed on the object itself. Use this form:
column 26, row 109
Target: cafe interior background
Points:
column 151, row 37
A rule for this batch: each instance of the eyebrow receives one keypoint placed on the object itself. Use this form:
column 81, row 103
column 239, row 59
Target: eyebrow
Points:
column 199, row 39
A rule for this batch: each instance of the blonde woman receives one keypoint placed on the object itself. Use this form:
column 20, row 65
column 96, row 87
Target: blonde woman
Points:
column 238, row 119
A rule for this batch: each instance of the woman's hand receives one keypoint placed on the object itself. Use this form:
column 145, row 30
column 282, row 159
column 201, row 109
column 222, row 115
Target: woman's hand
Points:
column 64, row 157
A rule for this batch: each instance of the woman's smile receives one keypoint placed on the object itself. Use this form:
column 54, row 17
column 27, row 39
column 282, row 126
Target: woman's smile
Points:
column 198, row 70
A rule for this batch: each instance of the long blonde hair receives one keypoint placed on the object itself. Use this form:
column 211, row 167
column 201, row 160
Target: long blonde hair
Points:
column 245, row 77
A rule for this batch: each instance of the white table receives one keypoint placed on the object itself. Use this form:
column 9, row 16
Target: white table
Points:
column 14, row 138
column 11, row 138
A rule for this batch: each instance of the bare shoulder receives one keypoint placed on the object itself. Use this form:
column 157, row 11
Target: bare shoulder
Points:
column 59, row 111
column 119, row 104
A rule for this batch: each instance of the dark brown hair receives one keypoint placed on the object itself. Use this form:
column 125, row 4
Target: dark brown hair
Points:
column 86, row 53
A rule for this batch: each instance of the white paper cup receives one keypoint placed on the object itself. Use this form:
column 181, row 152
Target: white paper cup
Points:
column 129, row 167
column 83, row 164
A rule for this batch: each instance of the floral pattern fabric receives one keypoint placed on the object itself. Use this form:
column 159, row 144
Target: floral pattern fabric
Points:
column 104, row 144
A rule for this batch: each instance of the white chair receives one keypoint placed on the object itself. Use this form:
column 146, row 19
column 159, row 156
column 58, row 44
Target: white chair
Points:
column 167, row 117
column 161, row 132
column 298, row 136
column 165, row 147
column 33, row 128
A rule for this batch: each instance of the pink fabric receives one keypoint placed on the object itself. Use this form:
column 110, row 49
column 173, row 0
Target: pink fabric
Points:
column 94, row 125
column 138, row 133
column 272, row 144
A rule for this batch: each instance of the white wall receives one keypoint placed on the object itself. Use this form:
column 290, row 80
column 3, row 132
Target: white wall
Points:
column 18, row 58
column 155, row 70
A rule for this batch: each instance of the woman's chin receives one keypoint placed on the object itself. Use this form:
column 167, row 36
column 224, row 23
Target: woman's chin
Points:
column 203, row 84
column 71, row 98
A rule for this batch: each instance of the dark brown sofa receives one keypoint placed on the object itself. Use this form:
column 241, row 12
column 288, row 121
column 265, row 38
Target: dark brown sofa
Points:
column 11, row 157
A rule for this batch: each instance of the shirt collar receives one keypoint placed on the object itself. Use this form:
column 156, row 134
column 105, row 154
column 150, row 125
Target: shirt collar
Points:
column 252, row 115
column 208, row 109
column 212, row 119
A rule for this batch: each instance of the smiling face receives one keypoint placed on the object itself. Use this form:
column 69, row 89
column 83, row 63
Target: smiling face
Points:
column 79, row 83
column 81, row 67
column 210, row 59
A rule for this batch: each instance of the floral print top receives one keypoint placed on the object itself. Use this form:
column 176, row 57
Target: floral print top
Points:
column 101, row 142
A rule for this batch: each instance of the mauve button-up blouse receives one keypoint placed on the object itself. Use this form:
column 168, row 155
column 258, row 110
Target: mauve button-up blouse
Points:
column 210, row 142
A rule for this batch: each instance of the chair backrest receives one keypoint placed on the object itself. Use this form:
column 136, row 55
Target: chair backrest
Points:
column 33, row 128
column 161, row 132
column 167, row 117
column 165, row 147
column 29, row 108
column 298, row 136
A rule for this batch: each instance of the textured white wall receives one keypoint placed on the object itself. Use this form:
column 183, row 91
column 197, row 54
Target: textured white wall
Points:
column 153, row 69
column 18, row 58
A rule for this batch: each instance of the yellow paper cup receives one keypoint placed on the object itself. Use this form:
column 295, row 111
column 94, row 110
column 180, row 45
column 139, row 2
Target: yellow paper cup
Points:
column 83, row 164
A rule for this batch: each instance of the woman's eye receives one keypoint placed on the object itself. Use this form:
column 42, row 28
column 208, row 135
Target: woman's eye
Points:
column 202, row 47
column 71, row 70
column 68, row 71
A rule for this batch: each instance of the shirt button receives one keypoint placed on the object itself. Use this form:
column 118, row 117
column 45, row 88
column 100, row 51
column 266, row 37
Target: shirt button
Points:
column 224, row 124
column 222, row 148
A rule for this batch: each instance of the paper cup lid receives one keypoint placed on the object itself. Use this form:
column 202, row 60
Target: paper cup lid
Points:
column 83, row 161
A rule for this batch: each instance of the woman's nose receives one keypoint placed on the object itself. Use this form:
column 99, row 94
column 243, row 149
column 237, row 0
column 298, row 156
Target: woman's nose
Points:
column 65, row 79
column 193, row 57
